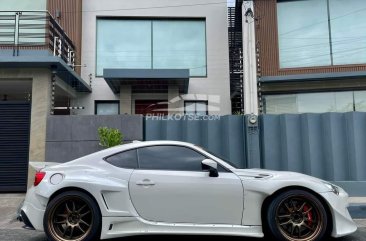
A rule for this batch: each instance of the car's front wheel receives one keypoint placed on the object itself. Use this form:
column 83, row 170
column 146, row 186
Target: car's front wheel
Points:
column 297, row 215
column 72, row 216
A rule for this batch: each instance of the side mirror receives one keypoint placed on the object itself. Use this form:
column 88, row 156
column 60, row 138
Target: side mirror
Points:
column 210, row 165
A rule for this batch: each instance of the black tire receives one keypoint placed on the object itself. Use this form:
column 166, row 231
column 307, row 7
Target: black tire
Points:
column 297, row 215
column 72, row 216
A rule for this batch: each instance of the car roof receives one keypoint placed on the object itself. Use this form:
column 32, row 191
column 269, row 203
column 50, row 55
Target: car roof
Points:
column 137, row 144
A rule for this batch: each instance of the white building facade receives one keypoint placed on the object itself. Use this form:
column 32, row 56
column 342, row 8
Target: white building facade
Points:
column 155, row 57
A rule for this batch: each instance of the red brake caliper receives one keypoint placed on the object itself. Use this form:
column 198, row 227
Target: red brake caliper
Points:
column 310, row 215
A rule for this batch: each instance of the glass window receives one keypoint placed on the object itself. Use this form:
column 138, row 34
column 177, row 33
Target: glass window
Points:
column 277, row 104
column 11, row 5
column 360, row 101
column 152, row 44
column 348, row 31
column 123, row 44
column 106, row 107
column 303, row 33
column 32, row 25
column 309, row 103
column 180, row 44
column 127, row 159
column 307, row 39
column 196, row 107
column 175, row 158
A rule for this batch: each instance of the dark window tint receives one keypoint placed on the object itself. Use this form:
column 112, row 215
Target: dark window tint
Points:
column 127, row 159
column 170, row 158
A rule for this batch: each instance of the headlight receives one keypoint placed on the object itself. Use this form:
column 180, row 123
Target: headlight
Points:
column 333, row 188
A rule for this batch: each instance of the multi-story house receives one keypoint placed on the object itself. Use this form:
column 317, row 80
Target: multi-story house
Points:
column 309, row 55
column 75, row 57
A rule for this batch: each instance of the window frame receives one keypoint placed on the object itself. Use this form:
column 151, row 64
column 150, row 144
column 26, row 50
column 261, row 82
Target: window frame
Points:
column 117, row 153
column 219, row 166
column 150, row 19
column 195, row 101
column 96, row 102
column 332, row 54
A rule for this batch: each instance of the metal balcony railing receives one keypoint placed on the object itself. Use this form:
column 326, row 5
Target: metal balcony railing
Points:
column 27, row 30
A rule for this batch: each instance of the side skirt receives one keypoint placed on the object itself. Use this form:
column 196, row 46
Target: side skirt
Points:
column 114, row 227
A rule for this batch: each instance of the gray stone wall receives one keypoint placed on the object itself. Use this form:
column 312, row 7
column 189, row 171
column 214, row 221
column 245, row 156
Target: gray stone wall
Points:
column 71, row 137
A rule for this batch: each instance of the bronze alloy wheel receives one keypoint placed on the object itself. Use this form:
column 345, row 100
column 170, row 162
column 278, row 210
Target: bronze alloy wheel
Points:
column 71, row 218
column 299, row 218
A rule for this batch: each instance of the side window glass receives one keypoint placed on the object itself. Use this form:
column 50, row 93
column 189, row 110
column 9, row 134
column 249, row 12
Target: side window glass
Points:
column 177, row 158
column 126, row 159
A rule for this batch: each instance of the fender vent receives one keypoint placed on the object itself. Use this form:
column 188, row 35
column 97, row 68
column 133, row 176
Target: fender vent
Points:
column 105, row 202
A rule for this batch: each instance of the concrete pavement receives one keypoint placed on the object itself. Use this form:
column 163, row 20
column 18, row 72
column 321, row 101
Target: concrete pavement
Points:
column 11, row 229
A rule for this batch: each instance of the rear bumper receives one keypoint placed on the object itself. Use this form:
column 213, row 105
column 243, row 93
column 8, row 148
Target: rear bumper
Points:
column 32, row 211
column 22, row 217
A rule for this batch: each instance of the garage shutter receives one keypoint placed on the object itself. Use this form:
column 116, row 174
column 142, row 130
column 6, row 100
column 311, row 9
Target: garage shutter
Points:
column 14, row 145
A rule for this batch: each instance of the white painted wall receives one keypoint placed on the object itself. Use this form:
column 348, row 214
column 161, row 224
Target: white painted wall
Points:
column 217, row 84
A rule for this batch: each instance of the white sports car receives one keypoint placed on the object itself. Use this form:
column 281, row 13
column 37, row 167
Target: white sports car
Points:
column 167, row 187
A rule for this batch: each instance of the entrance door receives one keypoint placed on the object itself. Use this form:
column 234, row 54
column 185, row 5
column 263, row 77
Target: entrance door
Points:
column 151, row 107
column 14, row 145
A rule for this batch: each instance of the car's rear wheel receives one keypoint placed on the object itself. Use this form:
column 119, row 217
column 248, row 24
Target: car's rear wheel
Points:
column 297, row 215
column 72, row 216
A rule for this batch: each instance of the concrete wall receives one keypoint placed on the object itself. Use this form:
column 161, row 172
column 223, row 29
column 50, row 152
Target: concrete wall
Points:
column 70, row 137
column 215, row 88
column 40, row 109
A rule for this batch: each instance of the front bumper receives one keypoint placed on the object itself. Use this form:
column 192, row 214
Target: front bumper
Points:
column 342, row 220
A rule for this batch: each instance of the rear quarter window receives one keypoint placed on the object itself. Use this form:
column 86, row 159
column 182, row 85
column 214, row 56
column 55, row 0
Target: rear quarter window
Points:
column 126, row 159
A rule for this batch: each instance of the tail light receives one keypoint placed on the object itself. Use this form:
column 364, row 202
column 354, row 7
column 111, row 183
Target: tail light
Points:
column 38, row 178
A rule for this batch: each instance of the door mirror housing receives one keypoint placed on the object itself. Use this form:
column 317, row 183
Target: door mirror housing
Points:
column 210, row 165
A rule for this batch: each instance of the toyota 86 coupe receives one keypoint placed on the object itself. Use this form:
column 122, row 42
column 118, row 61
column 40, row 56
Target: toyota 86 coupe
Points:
column 168, row 187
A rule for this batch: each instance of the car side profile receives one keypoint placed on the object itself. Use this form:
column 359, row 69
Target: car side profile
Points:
column 169, row 187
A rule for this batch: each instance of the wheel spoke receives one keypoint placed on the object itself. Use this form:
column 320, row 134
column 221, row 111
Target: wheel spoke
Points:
column 60, row 222
column 65, row 230
column 73, row 206
column 307, row 211
column 67, row 208
column 308, row 227
column 285, row 223
column 62, row 215
column 293, row 205
column 71, row 232
column 82, row 215
column 302, row 207
column 288, row 208
column 80, row 209
column 292, row 230
column 85, row 223
column 284, row 216
column 80, row 229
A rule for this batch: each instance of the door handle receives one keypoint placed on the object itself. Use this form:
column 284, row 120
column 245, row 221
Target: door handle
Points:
column 145, row 182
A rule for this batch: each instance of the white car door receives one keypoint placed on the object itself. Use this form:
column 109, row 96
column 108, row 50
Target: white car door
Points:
column 170, row 186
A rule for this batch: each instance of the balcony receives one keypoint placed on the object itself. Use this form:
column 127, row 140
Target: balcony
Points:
column 26, row 31
column 33, row 39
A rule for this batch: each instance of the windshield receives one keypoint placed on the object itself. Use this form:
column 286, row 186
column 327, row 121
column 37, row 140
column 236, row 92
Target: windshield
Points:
column 219, row 156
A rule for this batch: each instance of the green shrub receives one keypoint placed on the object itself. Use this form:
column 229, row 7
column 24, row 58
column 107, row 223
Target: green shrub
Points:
column 109, row 137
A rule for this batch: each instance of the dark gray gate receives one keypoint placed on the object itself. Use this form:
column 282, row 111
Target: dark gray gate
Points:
column 14, row 145
column 226, row 136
